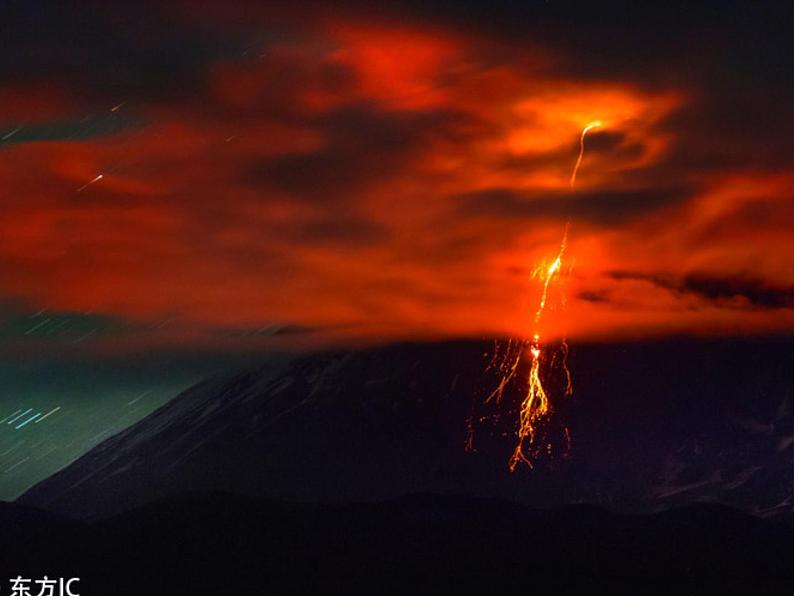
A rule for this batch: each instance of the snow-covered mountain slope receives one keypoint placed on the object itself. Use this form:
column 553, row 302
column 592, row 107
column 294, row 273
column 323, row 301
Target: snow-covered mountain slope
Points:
column 652, row 425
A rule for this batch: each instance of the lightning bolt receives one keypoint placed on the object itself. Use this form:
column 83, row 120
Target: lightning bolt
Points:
column 536, row 405
column 585, row 130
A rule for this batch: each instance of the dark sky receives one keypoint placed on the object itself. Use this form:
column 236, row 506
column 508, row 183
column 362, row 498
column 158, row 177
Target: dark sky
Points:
column 193, row 180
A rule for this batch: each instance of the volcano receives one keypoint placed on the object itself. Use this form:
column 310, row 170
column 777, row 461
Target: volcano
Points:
column 654, row 425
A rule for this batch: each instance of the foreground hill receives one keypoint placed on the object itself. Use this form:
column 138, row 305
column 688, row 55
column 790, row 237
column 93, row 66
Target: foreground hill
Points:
column 221, row 544
column 653, row 425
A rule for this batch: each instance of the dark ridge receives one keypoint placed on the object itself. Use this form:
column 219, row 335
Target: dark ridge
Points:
column 419, row 544
column 655, row 425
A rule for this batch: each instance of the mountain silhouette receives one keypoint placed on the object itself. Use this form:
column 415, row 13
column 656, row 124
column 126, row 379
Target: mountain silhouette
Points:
column 654, row 425
column 212, row 543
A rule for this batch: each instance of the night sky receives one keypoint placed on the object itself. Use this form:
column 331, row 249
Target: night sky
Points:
column 184, row 185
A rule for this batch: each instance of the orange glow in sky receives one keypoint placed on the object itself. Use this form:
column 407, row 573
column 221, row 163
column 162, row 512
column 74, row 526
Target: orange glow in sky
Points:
column 368, row 181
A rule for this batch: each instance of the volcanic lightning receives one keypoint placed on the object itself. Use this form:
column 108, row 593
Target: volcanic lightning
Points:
column 536, row 404
column 585, row 130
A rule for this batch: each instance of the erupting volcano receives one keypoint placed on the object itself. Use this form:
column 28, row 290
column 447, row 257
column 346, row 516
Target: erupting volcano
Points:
column 536, row 405
column 430, row 297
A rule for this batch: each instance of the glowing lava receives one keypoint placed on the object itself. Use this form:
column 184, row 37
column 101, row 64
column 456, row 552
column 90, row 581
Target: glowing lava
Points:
column 536, row 404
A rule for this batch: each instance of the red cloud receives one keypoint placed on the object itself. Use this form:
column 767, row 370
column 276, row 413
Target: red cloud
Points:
column 385, row 181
